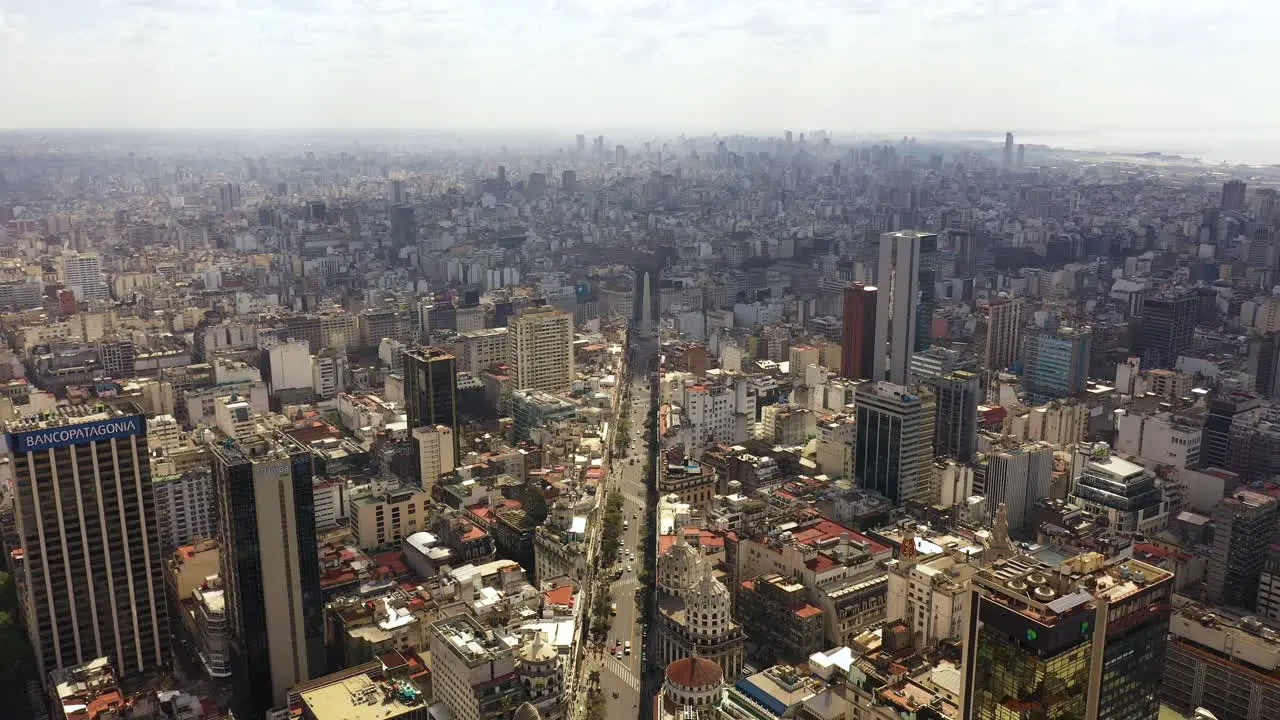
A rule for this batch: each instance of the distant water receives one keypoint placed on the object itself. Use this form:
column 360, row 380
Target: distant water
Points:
column 1245, row 146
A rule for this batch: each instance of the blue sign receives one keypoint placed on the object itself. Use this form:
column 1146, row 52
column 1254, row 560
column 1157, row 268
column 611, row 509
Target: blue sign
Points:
column 63, row 435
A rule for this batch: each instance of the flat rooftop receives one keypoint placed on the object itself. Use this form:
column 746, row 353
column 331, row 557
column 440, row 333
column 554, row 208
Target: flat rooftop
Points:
column 362, row 697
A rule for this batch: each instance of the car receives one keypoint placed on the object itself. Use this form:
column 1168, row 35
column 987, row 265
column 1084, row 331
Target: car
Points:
column 627, row 648
column 628, row 568
column 613, row 609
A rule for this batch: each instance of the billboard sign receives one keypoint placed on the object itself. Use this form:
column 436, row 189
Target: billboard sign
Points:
column 56, row 437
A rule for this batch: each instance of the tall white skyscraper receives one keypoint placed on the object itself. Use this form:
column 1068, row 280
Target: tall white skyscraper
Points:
column 83, row 274
column 898, row 315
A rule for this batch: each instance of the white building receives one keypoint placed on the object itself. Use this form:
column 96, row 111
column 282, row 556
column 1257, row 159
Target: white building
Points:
column 290, row 366
column 185, row 507
column 1164, row 438
column 328, row 374
column 897, row 302
column 1017, row 475
column 930, row 594
column 330, row 497
column 719, row 410
column 83, row 274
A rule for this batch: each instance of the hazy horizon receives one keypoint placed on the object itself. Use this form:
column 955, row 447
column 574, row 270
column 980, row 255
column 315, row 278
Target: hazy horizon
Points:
column 882, row 66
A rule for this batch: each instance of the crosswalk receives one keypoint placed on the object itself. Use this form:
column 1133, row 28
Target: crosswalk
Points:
column 618, row 667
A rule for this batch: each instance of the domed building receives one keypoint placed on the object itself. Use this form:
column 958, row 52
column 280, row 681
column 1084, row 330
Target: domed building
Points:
column 692, row 682
column 695, row 611
column 526, row 711
column 541, row 673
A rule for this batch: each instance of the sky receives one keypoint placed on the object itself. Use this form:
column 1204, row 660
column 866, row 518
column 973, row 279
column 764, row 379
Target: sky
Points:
column 695, row 65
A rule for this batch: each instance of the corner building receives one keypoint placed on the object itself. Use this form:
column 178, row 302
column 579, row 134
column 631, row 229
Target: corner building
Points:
column 91, row 578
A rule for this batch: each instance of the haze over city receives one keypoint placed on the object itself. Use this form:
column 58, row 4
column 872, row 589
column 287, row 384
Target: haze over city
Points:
column 1173, row 70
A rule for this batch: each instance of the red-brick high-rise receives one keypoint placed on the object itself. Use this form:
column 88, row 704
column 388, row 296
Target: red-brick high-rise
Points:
column 857, row 340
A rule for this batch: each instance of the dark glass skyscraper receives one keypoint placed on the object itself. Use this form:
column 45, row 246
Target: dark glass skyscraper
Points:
column 430, row 387
column 1085, row 639
column 1168, row 328
column 956, row 427
column 270, row 568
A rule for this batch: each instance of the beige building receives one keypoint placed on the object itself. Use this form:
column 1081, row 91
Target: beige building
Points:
column 477, row 350
column 387, row 517
column 540, row 349
column 435, row 449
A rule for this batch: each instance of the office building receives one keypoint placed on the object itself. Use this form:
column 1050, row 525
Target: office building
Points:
column 893, row 450
column 1015, row 474
column 858, row 332
column 83, row 274
column 956, row 425
column 1007, row 158
column 1233, row 195
column 1167, row 329
column 397, row 195
column 1124, row 493
column 1243, row 525
column 540, row 349
column 91, row 574
column 270, row 569
column 1004, row 333
column 1217, row 448
column 1085, row 639
column 404, row 227
column 1222, row 662
column 1268, row 602
column 430, row 387
column 473, row 668
column 1057, row 363
column 904, row 307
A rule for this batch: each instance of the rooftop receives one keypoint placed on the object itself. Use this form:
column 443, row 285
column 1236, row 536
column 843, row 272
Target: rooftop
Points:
column 363, row 697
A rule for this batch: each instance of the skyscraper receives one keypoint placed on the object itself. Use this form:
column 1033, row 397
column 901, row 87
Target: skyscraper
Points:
column 1008, row 151
column 1057, row 363
column 858, row 331
column 581, row 145
column 404, row 230
column 269, row 566
column 430, row 387
column 83, row 274
column 1243, row 523
column 540, row 349
column 956, row 424
column 1021, row 162
column 91, row 578
column 1014, row 474
column 1168, row 328
column 1004, row 333
column 1085, row 639
column 907, row 261
column 893, row 447
column 397, row 196
column 1233, row 195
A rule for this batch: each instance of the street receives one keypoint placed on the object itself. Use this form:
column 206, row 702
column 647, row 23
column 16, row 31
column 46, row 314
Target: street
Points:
column 621, row 672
